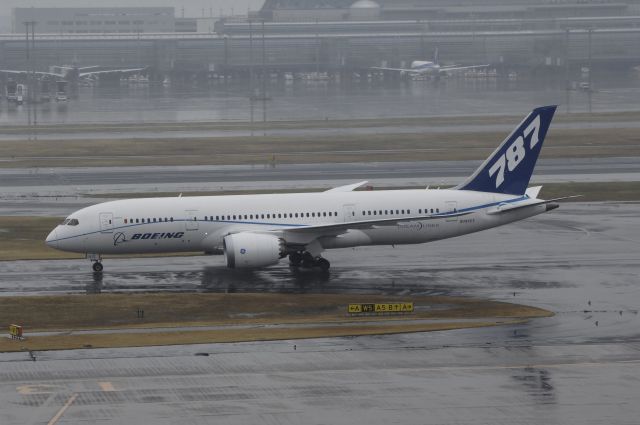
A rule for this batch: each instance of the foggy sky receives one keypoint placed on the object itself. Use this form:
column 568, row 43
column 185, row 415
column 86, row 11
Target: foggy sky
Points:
column 193, row 8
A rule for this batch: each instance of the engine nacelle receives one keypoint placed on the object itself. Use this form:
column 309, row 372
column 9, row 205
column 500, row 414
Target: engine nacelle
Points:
column 252, row 250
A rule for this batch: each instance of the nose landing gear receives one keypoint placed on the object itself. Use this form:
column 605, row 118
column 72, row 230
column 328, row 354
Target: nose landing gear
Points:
column 97, row 262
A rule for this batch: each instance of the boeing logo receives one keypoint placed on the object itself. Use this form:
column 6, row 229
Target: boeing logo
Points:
column 168, row 235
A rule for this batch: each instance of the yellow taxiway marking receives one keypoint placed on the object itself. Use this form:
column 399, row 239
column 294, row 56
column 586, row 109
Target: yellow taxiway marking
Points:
column 106, row 386
column 64, row 408
column 38, row 389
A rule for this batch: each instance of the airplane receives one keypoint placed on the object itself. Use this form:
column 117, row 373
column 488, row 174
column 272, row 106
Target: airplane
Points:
column 255, row 231
column 74, row 73
column 431, row 68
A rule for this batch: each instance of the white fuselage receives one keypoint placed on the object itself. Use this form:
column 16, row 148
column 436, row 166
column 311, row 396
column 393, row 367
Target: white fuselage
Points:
column 425, row 67
column 200, row 223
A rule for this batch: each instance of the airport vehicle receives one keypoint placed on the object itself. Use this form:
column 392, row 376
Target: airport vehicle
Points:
column 255, row 231
column 11, row 90
column 429, row 68
column 61, row 91
column 21, row 93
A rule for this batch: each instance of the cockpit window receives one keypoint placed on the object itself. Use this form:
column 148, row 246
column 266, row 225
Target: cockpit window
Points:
column 65, row 222
column 70, row 222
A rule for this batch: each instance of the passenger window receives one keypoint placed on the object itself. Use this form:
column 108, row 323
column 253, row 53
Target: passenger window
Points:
column 234, row 217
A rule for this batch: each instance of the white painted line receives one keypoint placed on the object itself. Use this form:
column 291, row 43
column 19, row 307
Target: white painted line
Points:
column 64, row 408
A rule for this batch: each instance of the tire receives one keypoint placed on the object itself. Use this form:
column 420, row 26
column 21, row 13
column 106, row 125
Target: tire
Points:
column 323, row 264
column 97, row 266
column 295, row 259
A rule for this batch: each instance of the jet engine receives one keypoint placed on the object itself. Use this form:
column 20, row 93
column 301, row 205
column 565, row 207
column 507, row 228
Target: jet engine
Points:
column 252, row 250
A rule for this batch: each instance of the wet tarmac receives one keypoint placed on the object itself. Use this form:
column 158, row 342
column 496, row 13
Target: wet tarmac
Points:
column 319, row 100
column 579, row 367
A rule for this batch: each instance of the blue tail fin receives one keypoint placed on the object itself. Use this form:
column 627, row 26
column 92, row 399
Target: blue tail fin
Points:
column 509, row 168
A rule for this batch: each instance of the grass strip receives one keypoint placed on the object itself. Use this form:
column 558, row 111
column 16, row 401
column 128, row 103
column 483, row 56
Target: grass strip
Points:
column 186, row 312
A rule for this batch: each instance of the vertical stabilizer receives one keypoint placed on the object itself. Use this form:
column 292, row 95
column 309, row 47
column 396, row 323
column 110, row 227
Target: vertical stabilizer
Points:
column 509, row 168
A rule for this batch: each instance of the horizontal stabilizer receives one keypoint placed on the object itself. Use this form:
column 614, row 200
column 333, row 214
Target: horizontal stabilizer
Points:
column 503, row 208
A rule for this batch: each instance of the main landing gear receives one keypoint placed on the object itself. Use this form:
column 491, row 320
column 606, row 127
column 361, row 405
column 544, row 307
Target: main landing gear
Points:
column 306, row 260
column 97, row 262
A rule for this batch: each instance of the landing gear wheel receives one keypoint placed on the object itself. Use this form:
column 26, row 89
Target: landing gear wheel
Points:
column 97, row 266
column 308, row 261
column 295, row 259
column 323, row 264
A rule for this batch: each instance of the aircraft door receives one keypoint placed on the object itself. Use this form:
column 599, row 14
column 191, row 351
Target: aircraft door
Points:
column 106, row 222
column 191, row 222
column 349, row 212
column 452, row 206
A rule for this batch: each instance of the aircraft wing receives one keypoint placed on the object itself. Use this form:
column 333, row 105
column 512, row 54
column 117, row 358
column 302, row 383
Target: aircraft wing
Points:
column 348, row 187
column 458, row 68
column 21, row 72
column 110, row 71
column 381, row 68
column 339, row 228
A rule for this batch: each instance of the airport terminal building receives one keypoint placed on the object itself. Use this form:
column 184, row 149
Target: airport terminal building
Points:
column 95, row 20
column 341, row 10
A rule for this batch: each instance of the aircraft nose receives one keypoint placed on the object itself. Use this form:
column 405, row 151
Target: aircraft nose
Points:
column 52, row 239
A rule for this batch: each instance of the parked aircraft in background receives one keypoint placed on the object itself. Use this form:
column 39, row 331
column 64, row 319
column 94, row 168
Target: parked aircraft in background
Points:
column 74, row 73
column 256, row 231
column 431, row 68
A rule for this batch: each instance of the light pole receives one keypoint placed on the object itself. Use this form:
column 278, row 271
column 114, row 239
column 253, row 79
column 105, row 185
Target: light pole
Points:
column 590, row 89
column 30, row 29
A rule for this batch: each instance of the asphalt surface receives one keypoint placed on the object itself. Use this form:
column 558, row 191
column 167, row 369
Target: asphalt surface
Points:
column 578, row 367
